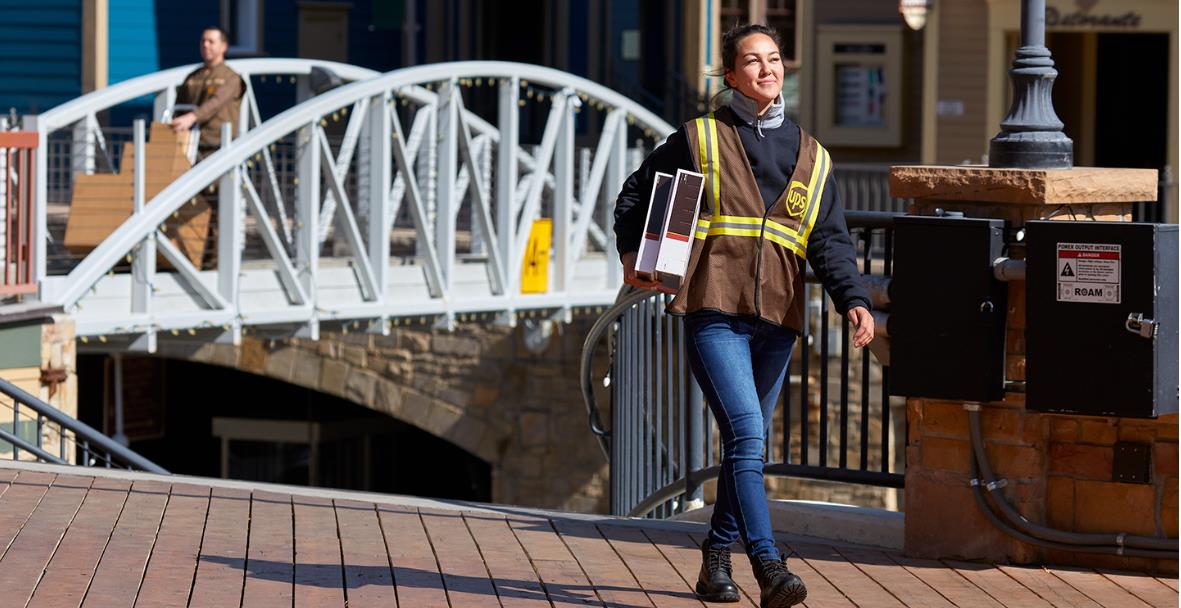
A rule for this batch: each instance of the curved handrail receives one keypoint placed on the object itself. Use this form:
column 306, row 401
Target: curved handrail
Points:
column 80, row 430
column 144, row 224
column 628, row 297
column 77, row 109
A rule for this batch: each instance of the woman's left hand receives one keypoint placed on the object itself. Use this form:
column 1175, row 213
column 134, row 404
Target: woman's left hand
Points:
column 862, row 321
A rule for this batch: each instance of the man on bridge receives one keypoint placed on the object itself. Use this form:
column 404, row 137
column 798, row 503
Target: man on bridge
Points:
column 215, row 90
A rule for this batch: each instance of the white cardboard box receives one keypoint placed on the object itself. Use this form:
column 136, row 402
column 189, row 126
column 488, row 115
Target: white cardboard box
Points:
column 664, row 252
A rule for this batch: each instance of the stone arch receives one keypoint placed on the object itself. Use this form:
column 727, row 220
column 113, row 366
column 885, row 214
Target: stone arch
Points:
column 292, row 362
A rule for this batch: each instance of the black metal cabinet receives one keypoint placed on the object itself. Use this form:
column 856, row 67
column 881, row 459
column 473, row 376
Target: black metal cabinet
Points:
column 947, row 311
column 1101, row 325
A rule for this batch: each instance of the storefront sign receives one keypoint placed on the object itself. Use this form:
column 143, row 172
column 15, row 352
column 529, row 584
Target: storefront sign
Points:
column 1081, row 16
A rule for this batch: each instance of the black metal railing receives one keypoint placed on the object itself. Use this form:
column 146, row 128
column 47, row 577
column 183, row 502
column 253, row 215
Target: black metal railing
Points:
column 834, row 422
column 39, row 431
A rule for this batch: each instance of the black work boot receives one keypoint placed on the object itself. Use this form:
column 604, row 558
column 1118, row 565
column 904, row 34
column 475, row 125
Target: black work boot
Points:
column 778, row 588
column 713, row 582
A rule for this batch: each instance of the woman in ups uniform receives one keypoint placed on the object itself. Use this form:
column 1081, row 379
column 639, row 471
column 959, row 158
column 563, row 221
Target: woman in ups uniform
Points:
column 770, row 205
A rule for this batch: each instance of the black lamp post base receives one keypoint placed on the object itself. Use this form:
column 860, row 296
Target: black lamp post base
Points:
column 1031, row 150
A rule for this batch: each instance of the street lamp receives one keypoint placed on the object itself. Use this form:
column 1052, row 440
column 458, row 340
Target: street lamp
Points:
column 1031, row 134
column 914, row 12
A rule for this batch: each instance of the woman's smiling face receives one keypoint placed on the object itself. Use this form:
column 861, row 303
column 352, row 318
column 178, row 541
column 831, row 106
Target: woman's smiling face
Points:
column 758, row 70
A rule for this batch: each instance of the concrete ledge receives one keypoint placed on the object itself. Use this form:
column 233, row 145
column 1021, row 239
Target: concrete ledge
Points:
column 827, row 521
column 1076, row 186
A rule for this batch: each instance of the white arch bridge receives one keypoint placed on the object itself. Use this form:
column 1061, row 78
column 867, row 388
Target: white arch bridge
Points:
column 401, row 197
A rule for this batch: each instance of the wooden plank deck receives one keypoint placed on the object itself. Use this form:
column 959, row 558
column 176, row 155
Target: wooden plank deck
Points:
column 70, row 537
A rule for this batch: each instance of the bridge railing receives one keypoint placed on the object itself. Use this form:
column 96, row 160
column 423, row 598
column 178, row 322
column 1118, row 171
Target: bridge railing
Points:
column 31, row 429
column 397, row 165
column 835, row 421
column 18, row 230
column 72, row 141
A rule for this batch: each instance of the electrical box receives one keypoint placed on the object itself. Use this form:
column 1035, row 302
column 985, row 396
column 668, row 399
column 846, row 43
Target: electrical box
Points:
column 947, row 311
column 1101, row 318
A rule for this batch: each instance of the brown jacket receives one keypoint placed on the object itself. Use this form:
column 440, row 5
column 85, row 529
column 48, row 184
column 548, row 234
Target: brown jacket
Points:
column 217, row 93
column 748, row 259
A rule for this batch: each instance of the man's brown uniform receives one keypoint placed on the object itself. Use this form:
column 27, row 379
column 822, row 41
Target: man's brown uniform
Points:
column 217, row 93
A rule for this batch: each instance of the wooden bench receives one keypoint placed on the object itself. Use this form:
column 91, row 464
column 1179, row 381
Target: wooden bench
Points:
column 101, row 202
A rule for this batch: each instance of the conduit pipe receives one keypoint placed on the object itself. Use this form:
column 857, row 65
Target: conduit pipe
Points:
column 1114, row 544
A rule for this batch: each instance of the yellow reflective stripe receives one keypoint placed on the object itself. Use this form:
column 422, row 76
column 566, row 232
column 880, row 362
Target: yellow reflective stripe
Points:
column 703, row 155
column 726, row 231
column 819, row 179
column 789, row 244
column 714, row 181
column 737, row 219
column 780, row 227
column 702, row 229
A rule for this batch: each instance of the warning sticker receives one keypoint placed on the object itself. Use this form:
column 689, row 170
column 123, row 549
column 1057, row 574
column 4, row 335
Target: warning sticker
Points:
column 1089, row 272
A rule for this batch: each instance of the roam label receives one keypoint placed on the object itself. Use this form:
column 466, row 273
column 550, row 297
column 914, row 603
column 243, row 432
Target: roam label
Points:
column 1089, row 272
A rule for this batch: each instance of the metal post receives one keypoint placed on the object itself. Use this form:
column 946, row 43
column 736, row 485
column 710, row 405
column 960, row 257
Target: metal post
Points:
column 694, row 436
column 448, row 168
column 380, row 173
column 563, row 196
column 117, row 359
column 506, row 179
column 229, row 236
column 617, row 170
column 307, row 216
column 143, row 264
column 1031, row 134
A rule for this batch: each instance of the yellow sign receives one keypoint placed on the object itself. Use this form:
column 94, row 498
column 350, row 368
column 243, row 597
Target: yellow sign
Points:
column 535, row 270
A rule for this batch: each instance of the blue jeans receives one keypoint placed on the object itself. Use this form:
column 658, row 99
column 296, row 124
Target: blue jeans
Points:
column 740, row 364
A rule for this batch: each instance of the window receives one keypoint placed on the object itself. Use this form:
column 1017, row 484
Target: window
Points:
column 734, row 12
column 242, row 20
column 781, row 15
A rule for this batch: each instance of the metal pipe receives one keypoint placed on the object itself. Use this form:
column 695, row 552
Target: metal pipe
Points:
column 1115, row 541
column 1005, row 269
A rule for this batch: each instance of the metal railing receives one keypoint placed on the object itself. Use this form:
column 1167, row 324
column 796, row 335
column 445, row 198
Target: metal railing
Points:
column 866, row 187
column 39, row 431
column 662, row 444
column 18, row 151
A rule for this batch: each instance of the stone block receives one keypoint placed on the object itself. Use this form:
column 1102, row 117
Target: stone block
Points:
column 355, row 356
column 416, row 341
column 1164, row 459
column 279, row 364
column 305, row 368
column 1107, row 506
column 484, row 396
column 914, row 416
column 416, row 408
column 1081, row 461
column 455, row 345
column 534, row 429
column 442, row 418
column 1015, row 461
column 388, row 398
column 1099, row 431
column 360, row 385
column 1060, row 502
column 1167, row 426
column 943, row 520
column 1168, row 508
column 946, row 454
column 945, row 418
column 1001, row 424
column 1076, row 186
column 332, row 376
column 1136, row 433
column 1063, row 430
column 467, row 432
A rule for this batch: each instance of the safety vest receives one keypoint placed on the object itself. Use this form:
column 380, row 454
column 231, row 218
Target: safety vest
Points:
column 748, row 259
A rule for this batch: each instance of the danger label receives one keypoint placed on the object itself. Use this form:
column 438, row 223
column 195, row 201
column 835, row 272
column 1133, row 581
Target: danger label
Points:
column 1089, row 272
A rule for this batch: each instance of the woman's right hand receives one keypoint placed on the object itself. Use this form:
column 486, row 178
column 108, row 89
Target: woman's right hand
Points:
column 629, row 273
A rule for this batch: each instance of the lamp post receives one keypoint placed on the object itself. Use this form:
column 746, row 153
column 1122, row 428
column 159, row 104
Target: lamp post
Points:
column 1031, row 134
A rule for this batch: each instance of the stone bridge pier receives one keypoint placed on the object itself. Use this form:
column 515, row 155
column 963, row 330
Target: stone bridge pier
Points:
column 479, row 387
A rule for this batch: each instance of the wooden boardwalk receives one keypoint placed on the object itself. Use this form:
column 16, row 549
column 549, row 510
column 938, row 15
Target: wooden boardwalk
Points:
column 69, row 537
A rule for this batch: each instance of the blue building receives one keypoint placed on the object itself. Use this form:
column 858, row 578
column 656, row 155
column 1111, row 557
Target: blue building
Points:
column 56, row 50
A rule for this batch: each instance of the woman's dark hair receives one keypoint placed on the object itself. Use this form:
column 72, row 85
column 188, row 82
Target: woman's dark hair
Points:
column 730, row 41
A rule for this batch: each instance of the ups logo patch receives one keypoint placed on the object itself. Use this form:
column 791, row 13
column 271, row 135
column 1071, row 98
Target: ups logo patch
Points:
column 797, row 199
